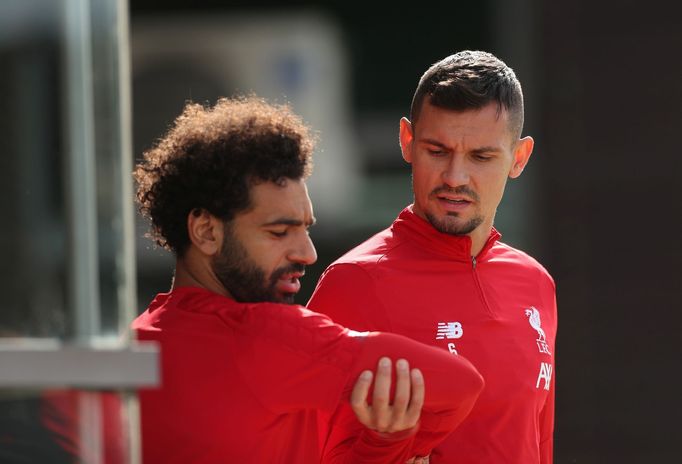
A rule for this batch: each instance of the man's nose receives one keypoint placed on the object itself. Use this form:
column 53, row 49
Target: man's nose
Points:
column 456, row 172
column 304, row 252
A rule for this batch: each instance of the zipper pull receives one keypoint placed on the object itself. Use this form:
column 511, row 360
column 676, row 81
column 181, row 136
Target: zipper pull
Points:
column 473, row 261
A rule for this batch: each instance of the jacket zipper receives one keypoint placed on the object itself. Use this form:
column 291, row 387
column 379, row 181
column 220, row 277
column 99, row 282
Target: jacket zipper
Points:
column 480, row 289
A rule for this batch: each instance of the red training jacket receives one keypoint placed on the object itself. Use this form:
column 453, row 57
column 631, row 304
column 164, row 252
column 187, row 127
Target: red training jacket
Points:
column 246, row 382
column 498, row 310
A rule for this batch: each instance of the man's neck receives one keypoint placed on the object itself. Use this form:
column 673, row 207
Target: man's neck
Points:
column 479, row 237
column 192, row 273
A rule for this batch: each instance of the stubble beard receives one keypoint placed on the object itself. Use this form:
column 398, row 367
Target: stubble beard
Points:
column 451, row 223
column 451, row 226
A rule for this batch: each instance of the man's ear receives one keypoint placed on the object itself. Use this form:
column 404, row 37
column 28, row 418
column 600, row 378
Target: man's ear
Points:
column 522, row 152
column 205, row 231
column 406, row 139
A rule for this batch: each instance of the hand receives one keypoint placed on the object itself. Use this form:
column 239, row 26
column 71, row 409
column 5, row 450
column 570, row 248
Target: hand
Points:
column 418, row 460
column 382, row 416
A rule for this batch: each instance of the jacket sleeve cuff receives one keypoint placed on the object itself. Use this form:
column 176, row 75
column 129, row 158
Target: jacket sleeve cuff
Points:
column 374, row 446
column 392, row 437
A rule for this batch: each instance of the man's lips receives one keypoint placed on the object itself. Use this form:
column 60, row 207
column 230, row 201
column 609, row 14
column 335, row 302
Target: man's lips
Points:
column 443, row 196
column 289, row 283
column 453, row 202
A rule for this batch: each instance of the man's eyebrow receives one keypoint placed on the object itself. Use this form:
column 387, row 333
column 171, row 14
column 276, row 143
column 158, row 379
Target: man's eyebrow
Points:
column 289, row 222
column 485, row 150
column 432, row 142
column 478, row 150
column 473, row 151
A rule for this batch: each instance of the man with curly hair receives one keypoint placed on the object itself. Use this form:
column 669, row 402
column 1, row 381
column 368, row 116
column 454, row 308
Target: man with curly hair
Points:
column 439, row 273
column 247, row 376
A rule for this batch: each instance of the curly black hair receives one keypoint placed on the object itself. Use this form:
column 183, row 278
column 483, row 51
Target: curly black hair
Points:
column 210, row 158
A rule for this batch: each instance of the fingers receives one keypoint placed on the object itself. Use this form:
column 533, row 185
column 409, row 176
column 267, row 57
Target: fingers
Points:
column 358, row 399
column 402, row 390
column 417, row 400
column 383, row 416
column 418, row 460
column 380, row 400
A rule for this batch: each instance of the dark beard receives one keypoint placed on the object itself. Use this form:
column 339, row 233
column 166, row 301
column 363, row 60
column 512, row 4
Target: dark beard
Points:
column 245, row 281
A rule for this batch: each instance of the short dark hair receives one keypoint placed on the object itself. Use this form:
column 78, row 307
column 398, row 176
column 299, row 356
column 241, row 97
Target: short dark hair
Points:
column 210, row 158
column 470, row 80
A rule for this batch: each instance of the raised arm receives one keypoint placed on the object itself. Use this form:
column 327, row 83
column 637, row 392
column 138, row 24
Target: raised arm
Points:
column 390, row 433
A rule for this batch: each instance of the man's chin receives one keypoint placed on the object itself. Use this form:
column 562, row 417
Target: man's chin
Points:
column 454, row 225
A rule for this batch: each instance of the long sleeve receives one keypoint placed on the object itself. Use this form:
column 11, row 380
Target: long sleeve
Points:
column 314, row 363
column 452, row 386
column 348, row 442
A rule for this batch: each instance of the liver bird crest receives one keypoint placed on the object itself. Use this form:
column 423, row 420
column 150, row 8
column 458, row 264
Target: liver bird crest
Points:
column 534, row 318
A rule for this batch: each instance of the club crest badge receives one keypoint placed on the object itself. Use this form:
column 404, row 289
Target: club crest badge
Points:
column 534, row 320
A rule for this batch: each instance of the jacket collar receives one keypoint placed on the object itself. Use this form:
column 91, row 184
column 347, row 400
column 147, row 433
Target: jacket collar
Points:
column 454, row 246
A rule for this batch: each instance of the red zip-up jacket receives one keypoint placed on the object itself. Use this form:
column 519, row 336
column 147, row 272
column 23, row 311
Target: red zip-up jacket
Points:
column 497, row 309
column 245, row 383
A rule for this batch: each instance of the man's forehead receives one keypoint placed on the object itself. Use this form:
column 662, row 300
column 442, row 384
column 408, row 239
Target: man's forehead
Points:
column 492, row 111
column 486, row 122
column 285, row 200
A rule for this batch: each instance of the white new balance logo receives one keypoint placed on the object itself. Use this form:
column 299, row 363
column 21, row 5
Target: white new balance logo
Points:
column 449, row 330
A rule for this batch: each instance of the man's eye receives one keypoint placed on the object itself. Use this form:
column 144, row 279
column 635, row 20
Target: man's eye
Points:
column 435, row 152
column 482, row 157
column 278, row 234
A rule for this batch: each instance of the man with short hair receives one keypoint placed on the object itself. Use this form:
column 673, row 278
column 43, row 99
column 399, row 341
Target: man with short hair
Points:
column 441, row 276
column 244, row 372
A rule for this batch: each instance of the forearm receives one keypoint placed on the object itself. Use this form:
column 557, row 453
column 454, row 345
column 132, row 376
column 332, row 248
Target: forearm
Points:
column 452, row 386
column 349, row 443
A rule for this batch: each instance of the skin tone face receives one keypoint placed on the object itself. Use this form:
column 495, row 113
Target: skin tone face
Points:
column 460, row 165
column 269, row 243
column 258, row 256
